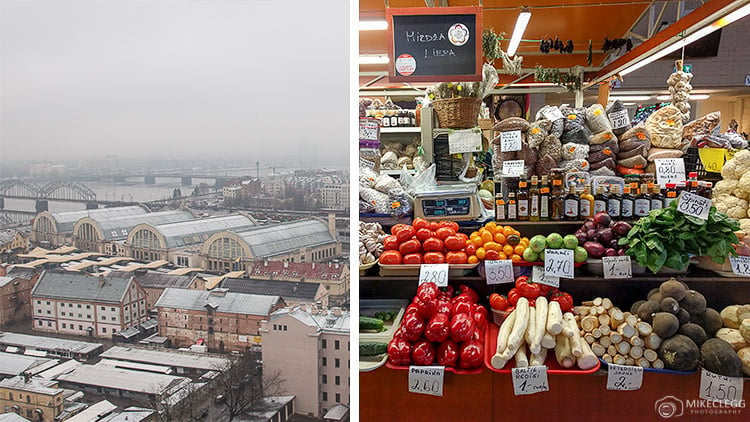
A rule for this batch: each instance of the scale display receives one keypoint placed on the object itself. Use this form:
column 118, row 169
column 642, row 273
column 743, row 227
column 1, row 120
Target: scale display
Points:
column 446, row 207
column 458, row 203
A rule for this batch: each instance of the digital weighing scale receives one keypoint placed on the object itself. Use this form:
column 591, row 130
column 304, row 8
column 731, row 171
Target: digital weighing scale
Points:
column 448, row 202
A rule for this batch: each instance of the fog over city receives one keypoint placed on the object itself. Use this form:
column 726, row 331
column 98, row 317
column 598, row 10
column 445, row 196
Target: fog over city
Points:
column 260, row 80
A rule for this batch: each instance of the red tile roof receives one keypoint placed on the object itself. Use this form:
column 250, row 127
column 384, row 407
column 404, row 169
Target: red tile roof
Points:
column 308, row 270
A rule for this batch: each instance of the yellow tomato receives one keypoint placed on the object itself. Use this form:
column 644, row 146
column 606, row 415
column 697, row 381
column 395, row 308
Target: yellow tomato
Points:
column 493, row 246
column 516, row 258
column 502, row 256
column 518, row 250
column 480, row 253
column 491, row 225
column 500, row 238
column 473, row 259
column 508, row 250
column 507, row 231
column 477, row 240
column 487, row 237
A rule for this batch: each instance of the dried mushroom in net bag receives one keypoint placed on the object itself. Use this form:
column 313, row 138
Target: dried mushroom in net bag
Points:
column 537, row 132
column 665, row 127
column 379, row 200
column 573, row 151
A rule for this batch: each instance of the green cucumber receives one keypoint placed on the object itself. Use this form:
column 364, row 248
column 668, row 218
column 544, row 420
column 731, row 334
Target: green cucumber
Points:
column 367, row 323
column 372, row 348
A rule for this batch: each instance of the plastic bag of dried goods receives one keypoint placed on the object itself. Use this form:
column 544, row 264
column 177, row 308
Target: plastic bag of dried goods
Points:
column 385, row 183
column 596, row 119
column 379, row 200
column 537, row 132
column 573, row 151
column 575, row 118
column 579, row 135
column 618, row 117
column 665, row 127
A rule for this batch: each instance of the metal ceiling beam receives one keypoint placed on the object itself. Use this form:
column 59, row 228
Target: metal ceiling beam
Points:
column 701, row 16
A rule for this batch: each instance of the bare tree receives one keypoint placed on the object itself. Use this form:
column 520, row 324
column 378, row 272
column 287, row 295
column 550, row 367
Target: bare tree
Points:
column 244, row 385
column 178, row 406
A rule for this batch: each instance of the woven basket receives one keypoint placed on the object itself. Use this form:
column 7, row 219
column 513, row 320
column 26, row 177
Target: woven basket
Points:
column 457, row 113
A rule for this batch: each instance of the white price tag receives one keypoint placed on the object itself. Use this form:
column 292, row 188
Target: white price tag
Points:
column 669, row 170
column 426, row 380
column 619, row 119
column 529, row 380
column 552, row 114
column 538, row 276
column 513, row 168
column 694, row 205
column 727, row 390
column 436, row 273
column 558, row 262
column 510, row 141
column 366, row 163
column 617, row 266
column 740, row 265
column 464, row 141
column 624, row 378
column 369, row 129
column 499, row 271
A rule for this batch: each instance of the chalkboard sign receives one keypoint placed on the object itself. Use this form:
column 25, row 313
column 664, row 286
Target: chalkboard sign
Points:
column 435, row 44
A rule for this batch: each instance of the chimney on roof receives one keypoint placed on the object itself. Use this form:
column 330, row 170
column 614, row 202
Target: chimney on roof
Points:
column 313, row 265
column 26, row 376
column 220, row 292
column 286, row 264
column 101, row 280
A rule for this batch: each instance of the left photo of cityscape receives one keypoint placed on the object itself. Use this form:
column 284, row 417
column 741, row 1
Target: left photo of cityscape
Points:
column 174, row 210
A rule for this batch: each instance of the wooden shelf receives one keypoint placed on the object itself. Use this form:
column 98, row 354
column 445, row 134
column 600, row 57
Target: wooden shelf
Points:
column 400, row 129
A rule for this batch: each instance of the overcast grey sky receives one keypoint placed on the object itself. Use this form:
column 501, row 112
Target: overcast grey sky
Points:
column 185, row 78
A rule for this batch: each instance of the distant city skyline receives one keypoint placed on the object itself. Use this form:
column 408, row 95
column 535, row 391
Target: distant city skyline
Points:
column 175, row 80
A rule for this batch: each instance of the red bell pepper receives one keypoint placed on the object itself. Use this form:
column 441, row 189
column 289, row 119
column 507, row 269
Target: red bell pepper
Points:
column 469, row 291
column 527, row 288
column 462, row 307
column 413, row 327
column 423, row 353
column 471, row 354
column 438, row 328
column 399, row 351
column 427, row 291
column 447, row 353
column 462, row 326
column 565, row 300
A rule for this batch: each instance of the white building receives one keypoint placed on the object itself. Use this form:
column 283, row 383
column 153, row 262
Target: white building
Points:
column 335, row 196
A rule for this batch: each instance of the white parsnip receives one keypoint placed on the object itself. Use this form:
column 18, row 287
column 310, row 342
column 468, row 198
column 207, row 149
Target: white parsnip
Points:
column 519, row 329
column 531, row 326
column 535, row 345
column 615, row 337
column 643, row 363
column 589, row 322
column 563, row 353
column 548, row 341
column 607, row 358
column 626, row 330
column 636, row 341
column 629, row 361
column 537, row 359
column 498, row 362
column 575, row 339
column 623, row 347
column 554, row 318
column 636, row 352
column 588, row 359
column 605, row 330
column 618, row 359
column 643, row 328
column 522, row 359
column 589, row 338
column 612, row 350
column 652, row 341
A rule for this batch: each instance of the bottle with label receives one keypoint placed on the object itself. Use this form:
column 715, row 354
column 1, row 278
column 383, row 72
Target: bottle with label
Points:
column 600, row 200
column 394, row 118
column 499, row 207
column 523, row 199
column 534, row 199
column 692, row 182
column 657, row 199
column 544, row 200
column 385, row 121
column 571, row 203
column 627, row 203
column 704, row 189
column 642, row 202
column 671, row 194
column 586, row 204
column 556, row 175
column 614, row 202
column 512, row 207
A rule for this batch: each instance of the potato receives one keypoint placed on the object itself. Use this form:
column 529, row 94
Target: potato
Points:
column 729, row 316
column 733, row 337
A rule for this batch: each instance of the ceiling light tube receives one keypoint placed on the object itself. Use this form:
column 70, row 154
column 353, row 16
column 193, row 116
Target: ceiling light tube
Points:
column 373, row 59
column 521, row 23
column 373, row 25
column 630, row 97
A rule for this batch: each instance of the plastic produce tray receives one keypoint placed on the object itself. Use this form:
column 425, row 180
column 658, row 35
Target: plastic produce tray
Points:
column 454, row 270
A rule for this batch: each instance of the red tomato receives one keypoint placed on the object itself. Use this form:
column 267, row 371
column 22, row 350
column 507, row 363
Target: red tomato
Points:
column 565, row 300
column 432, row 258
column 527, row 288
column 510, row 309
column 470, row 249
column 444, row 232
column 498, row 302
column 423, row 234
column 390, row 243
column 397, row 227
column 459, row 257
column 390, row 258
column 434, row 226
column 412, row 258
column 513, row 296
column 432, row 244
column 410, row 246
column 454, row 243
column 406, row 233
column 491, row 255
column 450, row 224
column 420, row 223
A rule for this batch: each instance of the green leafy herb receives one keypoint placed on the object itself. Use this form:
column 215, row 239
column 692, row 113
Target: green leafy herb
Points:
column 666, row 238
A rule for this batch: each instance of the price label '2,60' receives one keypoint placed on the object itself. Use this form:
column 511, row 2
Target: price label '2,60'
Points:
column 426, row 380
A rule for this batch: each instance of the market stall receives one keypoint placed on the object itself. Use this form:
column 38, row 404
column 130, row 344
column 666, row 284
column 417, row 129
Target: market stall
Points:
column 510, row 254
